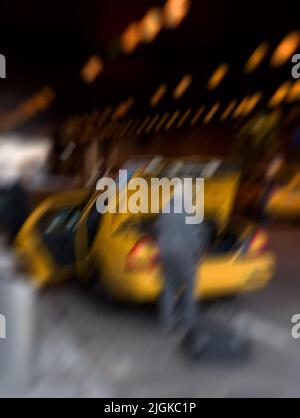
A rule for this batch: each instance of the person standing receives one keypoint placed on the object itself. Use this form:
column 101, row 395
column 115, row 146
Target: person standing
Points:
column 181, row 248
column 16, row 209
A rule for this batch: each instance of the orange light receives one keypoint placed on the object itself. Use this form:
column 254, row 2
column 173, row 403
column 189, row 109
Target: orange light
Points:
column 228, row 110
column 184, row 118
column 239, row 111
column 251, row 103
column 158, row 95
column 122, row 109
column 197, row 115
column 92, row 69
column 211, row 113
column 152, row 123
column 28, row 108
column 151, row 25
column 286, row 49
column 172, row 120
column 218, row 76
column 175, row 11
column 131, row 38
column 280, row 95
column 257, row 57
column 294, row 93
column 161, row 122
column 182, row 86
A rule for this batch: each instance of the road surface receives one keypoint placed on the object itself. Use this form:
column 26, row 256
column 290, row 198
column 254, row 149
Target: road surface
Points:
column 85, row 347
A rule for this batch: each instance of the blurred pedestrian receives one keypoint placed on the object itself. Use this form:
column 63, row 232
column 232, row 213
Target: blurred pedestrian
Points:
column 15, row 209
column 181, row 248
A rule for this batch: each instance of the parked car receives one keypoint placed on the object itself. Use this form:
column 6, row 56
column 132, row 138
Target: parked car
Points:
column 67, row 236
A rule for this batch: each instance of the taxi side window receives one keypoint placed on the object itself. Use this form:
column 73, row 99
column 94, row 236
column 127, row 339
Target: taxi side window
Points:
column 60, row 221
column 57, row 232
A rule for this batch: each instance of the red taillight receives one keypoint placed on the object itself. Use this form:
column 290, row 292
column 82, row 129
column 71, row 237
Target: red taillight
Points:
column 258, row 243
column 143, row 256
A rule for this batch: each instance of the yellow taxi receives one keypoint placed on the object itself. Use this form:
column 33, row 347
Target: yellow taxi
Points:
column 284, row 201
column 67, row 236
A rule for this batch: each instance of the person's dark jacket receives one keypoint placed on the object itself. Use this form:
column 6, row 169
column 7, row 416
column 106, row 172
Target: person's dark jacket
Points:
column 14, row 209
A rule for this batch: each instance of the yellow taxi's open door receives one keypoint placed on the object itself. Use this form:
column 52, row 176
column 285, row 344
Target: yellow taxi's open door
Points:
column 221, row 182
column 219, row 196
column 46, row 242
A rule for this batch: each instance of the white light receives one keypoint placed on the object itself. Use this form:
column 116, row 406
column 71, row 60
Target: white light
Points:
column 20, row 156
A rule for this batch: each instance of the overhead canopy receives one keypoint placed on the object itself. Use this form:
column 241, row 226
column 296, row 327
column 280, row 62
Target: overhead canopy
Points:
column 48, row 43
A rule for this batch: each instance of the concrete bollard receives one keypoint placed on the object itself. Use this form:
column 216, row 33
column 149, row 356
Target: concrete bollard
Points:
column 17, row 306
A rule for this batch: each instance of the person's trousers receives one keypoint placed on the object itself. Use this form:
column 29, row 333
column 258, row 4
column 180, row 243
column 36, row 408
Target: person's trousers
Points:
column 177, row 302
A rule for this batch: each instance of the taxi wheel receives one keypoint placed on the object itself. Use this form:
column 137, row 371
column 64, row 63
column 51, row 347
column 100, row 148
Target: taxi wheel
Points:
column 91, row 282
column 94, row 285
